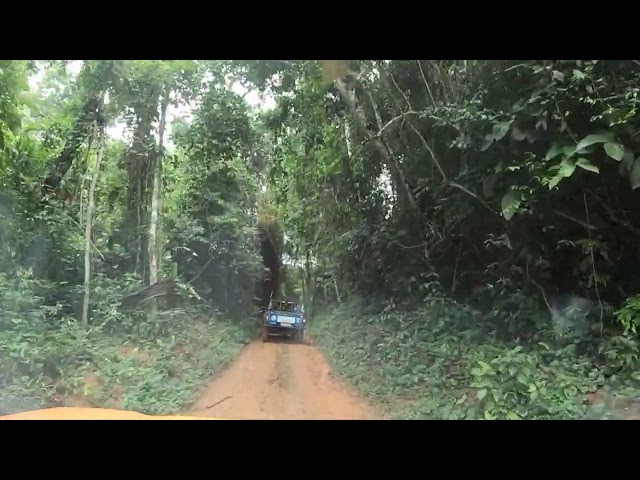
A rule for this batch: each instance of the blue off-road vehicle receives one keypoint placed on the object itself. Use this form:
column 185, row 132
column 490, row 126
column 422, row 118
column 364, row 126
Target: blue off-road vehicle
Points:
column 283, row 319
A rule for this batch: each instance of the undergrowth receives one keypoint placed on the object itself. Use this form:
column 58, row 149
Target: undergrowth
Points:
column 124, row 362
column 439, row 362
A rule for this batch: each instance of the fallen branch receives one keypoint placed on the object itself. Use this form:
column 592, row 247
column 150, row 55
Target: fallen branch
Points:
column 218, row 402
column 144, row 294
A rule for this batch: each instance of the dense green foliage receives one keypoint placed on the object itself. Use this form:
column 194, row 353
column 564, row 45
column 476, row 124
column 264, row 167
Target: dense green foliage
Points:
column 77, row 203
column 484, row 212
column 506, row 188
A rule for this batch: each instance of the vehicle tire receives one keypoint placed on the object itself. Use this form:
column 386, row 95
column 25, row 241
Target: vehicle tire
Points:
column 264, row 337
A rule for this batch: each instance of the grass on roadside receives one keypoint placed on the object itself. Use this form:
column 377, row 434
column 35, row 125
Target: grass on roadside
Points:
column 437, row 363
column 149, row 371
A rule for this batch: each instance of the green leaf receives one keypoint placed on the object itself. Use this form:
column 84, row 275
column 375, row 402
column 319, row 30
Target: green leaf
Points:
column 553, row 152
column 488, row 141
column 481, row 393
column 488, row 416
column 510, row 204
column 513, row 416
column 519, row 106
column 595, row 138
column 614, row 150
column 517, row 134
column 563, row 125
column 531, row 136
column 567, row 167
column 587, row 165
column 634, row 175
column 627, row 162
column 13, row 121
column 501, row 129
column 555, row 181
column 556, row 150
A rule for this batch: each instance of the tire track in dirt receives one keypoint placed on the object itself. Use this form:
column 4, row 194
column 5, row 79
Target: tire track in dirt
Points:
column 280, row 380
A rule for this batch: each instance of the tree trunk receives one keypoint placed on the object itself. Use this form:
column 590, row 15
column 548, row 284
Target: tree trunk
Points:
column 347, row 136
column 87, row 237
column 349, row 97
column 155, row 202
column 92, row 113
column 335, row 285
column 310, row 299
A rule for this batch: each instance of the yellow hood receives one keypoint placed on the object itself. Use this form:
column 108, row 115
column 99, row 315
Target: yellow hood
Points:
column 71, row 413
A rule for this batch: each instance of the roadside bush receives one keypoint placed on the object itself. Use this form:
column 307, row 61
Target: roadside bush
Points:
column 438, row 362
column 121, row 362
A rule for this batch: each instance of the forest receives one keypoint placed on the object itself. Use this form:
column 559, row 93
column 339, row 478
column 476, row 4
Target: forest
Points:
column 461, row 232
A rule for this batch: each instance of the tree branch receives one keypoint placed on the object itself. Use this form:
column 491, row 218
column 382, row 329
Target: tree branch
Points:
column 424, row 78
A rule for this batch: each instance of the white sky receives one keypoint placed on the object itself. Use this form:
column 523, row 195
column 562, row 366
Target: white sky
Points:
column 119, row 130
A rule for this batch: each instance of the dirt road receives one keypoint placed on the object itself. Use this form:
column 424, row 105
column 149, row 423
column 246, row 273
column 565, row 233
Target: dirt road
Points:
column 280, row 380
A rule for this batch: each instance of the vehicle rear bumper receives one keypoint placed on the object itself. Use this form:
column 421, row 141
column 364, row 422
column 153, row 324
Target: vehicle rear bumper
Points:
column 282, row 329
